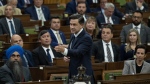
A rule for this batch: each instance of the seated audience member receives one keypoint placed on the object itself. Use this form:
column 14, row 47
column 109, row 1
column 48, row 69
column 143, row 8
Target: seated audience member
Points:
column 71, row 6
column 9, row 24
column 138, row 65
column 13, row 71
column 3, row 2
column 107, row 16
column 127, row 50
column 104, row 50
column 91, row 27
column 142, row 29
column 58, row 37
column 13, row 3
column 38, row 11
column 44, row 54
column 101, row 9
column 22, row 4
column 27, row 59
column 135, row 5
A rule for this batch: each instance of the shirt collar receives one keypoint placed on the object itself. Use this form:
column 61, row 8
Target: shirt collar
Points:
column 9, row 19
column 139, row 26
column 78, row 32
column 54, row 31
column 106, row 43
column 37, row 8
column 46, row 48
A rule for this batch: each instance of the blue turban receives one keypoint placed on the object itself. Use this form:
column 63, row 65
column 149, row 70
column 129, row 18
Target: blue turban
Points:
column 14, row 48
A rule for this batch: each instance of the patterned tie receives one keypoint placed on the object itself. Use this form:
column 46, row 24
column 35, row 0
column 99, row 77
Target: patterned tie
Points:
column 40, row 15
column 108, row 20
column 59, row 38
column 108, row 53
column 12, row 28
column 137, row 29
column 49, row 57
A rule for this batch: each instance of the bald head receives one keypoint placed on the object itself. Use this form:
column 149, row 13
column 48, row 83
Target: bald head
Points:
column 16, row 39
column 13, row 3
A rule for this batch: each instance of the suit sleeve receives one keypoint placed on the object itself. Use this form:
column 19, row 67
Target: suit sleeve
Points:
column 35, row 57
column 21, row 28
column 127, row 8
column 118, row 13
column 68, row 8
column 94, row 50
column 126, row 68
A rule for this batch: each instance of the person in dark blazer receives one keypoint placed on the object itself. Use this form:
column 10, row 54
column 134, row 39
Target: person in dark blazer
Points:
column 71, row 6
column 23, row 3
column 55, row 31
column 44, row 54
column 107, row 16
column 13, row 71
column 27, row 59
column 99, row 49
column 138, row 65
column 34, row 11
column 136, row 5
column 101, row 8
column 4, row 2
column 79, row 50
column 137, row 24
column 5, row 26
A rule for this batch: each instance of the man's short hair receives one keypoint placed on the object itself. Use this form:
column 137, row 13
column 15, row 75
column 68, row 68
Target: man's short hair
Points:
column 140, row 46
column 77, row 16
column 109, row 5
column 54, row 17
column 138, row 11
column 41, row 33
column 109, row 26
column 81, row 2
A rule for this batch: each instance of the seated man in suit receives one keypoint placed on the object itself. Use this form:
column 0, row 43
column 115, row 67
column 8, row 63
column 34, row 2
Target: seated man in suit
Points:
column 138, row 65
column 71, row 6
column 38, row 11
column 22, row 4
column 137, row 24
column 3, row 2
column 44, row 54
column 13, row 3
column 136, row 5
column 104, row 50
column 10, row 25
column 107, row 16
column 102, row 7
column 13, row 71
column 27, row 59
column 58, row 37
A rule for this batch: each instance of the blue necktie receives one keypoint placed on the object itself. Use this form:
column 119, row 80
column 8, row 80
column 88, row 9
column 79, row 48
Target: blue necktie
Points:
column 49, row 57
column 12, row 28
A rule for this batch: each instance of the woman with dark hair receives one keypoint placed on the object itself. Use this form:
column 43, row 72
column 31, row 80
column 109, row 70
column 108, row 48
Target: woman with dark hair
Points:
column 138, row 65
column 127, row 50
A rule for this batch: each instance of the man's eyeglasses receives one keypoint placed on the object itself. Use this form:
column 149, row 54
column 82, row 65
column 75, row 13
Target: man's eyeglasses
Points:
column 136, row 17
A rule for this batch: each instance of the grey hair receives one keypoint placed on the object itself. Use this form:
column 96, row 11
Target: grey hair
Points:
column 109, row 5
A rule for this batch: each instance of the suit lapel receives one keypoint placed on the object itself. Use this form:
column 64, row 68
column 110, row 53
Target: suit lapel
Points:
column 114, row 52
column 44, row 12
column 35, row 13
column 142, row 31
column 15, row 23
column 52, row 35
column 42, row 52
column 133, row 67
column 102, row 48
column 61, row 36
column 6, row 25
column 144, row 67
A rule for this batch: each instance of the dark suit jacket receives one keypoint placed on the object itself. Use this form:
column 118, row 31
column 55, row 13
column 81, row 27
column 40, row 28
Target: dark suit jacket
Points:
column 80, row 54
column 116, row 12
column 4, row 29
column 144, row 33
column 98, row 51
column 40, row 57
column 101, row 20
column 21, row 4
column 7, row 77
column 33, row 14
column 4, row 2
column 54, row 40
column 71, row 7
column 132, row 6
column 130, row 67
column 28, row 56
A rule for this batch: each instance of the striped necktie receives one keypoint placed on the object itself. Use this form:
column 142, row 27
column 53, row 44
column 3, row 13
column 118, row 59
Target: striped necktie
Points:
column 108, row 53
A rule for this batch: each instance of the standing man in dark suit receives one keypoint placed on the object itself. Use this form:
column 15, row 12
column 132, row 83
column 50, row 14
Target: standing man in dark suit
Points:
column 58, row 37
column 27, row 59
column 13, row 71
column 71, row 6
column 107, row 16
column 136, row 5
column 101, row 9
column 79, row 49
column 44, row 54
column 10, row 25
column 24, row 3
column 104, row 49
column 38, row 11
column 143, row 30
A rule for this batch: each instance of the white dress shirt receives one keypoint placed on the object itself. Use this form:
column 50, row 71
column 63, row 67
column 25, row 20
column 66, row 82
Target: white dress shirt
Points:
column 38, row 14
column 50, row 52
column 138, row 27
column 105, row 51
column 10, row 25
column 110, row 19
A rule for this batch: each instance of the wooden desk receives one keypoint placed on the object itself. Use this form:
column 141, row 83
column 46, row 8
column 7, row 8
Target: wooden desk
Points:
column 43, row 82
column 29, row 37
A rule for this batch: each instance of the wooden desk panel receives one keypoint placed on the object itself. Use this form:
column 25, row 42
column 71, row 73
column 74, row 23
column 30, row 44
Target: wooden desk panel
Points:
column 43, row 82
